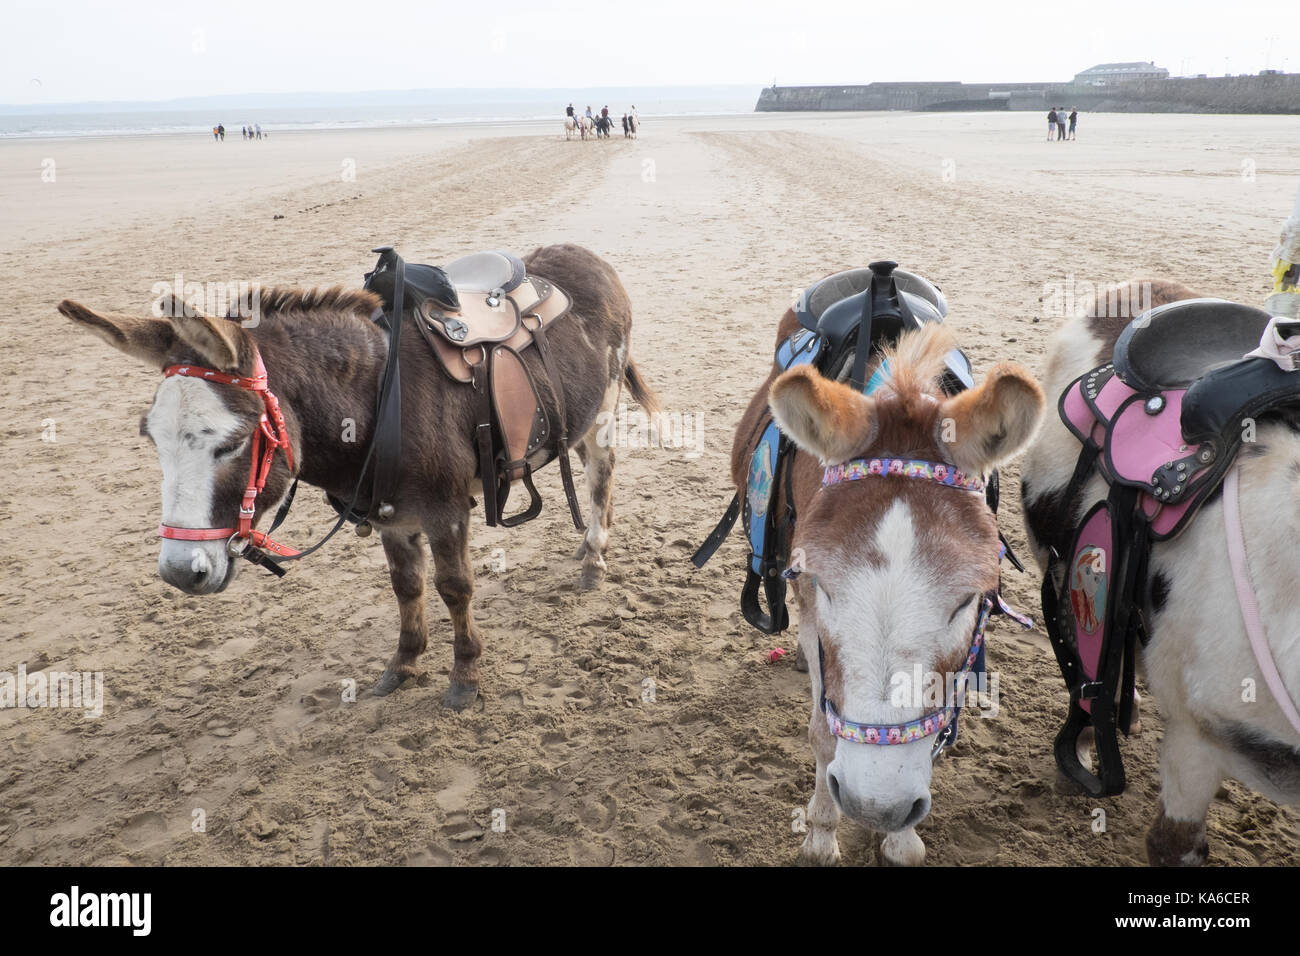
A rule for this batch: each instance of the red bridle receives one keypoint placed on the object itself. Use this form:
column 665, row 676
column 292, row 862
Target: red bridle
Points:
column 269, row 435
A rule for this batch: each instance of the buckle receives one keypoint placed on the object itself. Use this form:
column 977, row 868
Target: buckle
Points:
column 1090, row 690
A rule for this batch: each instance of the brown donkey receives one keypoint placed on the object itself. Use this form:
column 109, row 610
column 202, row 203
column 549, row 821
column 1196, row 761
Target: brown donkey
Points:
column 892, row 572
column 324, row 359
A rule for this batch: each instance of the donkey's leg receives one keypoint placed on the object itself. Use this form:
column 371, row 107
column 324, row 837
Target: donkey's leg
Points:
column 1190, row 774
column 406, row 569
column 820, row 848
column 448, row 534
column 598, row 459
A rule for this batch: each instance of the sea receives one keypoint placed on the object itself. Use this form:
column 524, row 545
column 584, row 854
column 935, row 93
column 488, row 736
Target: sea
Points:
column 367, row 110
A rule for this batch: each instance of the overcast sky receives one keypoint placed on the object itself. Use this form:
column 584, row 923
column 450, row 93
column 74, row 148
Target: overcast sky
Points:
column 74, row 50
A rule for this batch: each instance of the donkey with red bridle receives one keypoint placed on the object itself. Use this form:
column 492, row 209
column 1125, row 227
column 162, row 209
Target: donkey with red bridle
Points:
column 881, row 520
column 247, row 409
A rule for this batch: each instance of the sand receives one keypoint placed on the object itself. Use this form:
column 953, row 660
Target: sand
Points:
column 231, row 704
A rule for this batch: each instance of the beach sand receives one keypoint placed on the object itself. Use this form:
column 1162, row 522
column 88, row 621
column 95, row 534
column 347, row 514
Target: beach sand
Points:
column 231, row 704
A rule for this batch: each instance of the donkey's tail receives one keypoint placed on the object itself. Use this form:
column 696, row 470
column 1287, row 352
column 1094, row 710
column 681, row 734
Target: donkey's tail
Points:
column 641, row 391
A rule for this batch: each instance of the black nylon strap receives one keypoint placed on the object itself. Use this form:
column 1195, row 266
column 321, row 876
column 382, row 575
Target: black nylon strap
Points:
column 483, row 437
column 388, row 421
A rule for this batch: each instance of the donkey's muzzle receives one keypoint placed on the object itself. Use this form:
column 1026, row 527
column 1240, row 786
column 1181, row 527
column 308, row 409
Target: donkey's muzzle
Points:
column 196, row 569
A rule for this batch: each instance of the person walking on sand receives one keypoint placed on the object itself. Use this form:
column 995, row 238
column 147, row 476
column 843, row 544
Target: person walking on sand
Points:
column 1060, row 124
column 222, row 130
column 1074, row 121
column 258, row 127
column 1051, row 125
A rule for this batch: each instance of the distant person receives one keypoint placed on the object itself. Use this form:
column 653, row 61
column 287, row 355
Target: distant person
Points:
column 604, row 112
column 624, row 124
column 636, row 117
column 243, row 131
column 589, row 116
column 1051, row 124
column 1074, row 121
column 1060, row 124
column 568, row 110
column 258, row 127
column 215, row 136
column 222, row 130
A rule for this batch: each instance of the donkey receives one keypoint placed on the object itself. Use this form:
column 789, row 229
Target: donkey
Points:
column 1199, row 652
column 888, row 573
column 324, row 359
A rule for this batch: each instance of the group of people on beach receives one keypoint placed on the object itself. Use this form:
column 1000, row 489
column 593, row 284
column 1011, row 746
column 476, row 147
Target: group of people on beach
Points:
column 602, row 123
column 1056, row 124
column 251, row 131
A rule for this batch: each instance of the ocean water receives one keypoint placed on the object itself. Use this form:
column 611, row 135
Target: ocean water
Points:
column 361, row 110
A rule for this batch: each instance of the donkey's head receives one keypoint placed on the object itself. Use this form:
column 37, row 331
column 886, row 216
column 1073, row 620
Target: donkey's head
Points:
column 202, row 430
column 896, row 567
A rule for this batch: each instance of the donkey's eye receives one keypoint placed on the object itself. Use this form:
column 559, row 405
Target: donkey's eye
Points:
column 962, row 606
column 228, row 449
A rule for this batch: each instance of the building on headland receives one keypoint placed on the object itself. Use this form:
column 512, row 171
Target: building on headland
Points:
column 1106, row 74
column 1119, row 91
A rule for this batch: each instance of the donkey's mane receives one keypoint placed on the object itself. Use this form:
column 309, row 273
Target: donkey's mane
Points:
column 916, row 362
column 281, row 300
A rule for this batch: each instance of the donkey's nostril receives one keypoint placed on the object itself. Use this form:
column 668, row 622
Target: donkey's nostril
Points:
column 919, row 809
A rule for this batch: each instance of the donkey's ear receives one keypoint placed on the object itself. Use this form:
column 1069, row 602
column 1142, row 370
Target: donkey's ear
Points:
column 147, row 339
column 216, row 340
column 827, row 419
column 992, row 423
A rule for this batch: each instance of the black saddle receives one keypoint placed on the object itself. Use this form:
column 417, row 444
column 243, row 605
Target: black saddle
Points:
column 1199, row 345
column 1173, row 345
column 882, row 299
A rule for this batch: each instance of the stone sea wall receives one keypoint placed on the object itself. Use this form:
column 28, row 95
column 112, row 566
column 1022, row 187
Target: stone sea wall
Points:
column 1217, row 94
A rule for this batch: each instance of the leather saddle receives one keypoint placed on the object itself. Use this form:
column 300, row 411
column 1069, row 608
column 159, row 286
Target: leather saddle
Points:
column 480, row 314
column 1170, row 411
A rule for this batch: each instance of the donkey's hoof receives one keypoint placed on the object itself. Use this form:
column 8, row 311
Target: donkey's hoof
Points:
column 819, row 849
column 389, row 683
column 592, row 576
column 903, row 848
column 581, row 552
column 1177, row 842
column 460, row 696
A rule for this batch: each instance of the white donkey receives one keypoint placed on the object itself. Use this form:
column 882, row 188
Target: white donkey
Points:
column 1229, row 708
